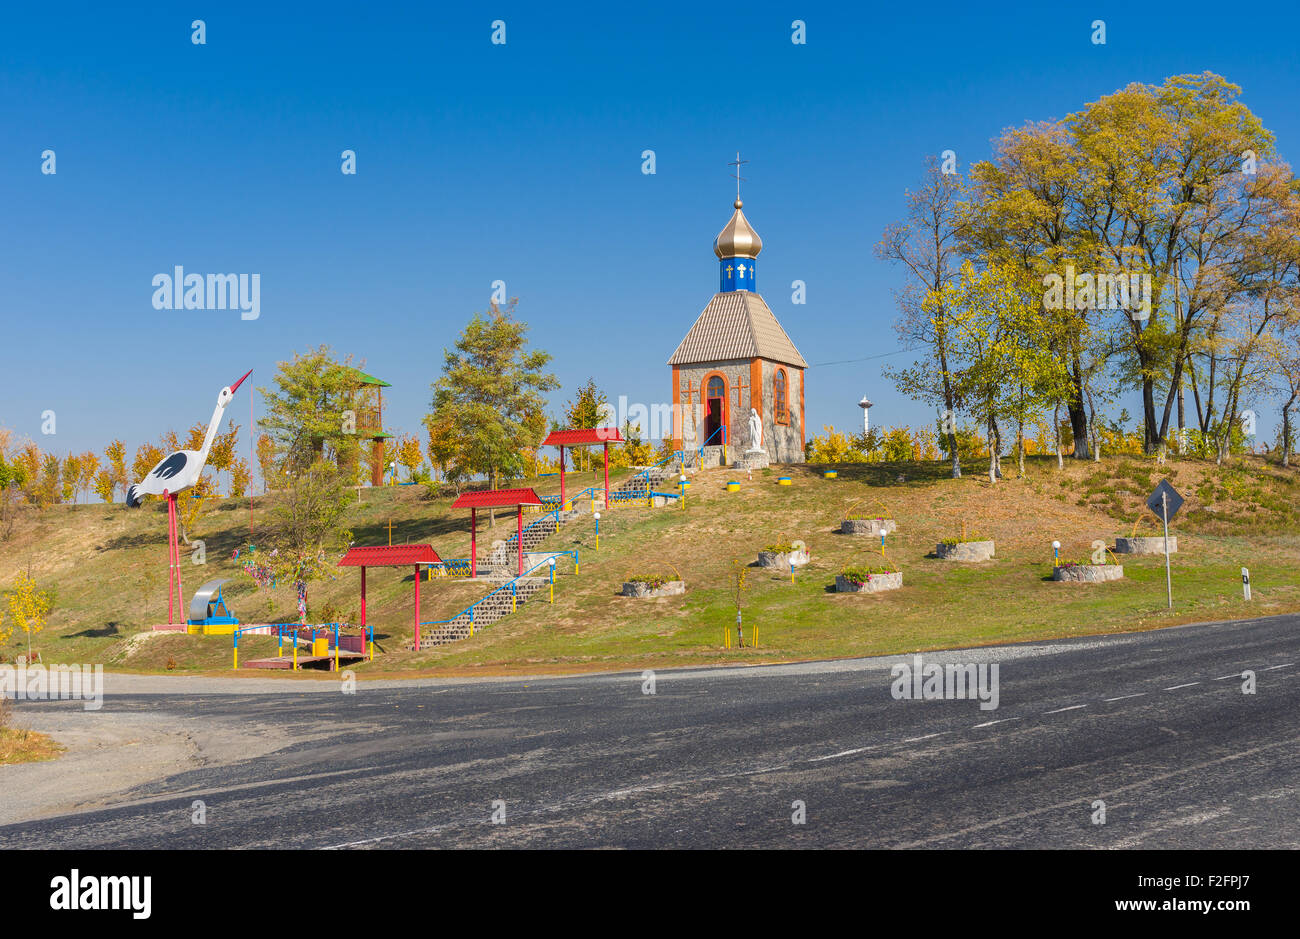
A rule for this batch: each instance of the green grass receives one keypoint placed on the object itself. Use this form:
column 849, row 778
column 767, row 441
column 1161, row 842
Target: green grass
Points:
column 107, row 567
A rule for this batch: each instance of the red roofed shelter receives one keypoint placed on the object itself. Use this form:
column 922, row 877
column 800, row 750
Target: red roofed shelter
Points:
column 495, row 499
column 398, row 555
column 579, row 438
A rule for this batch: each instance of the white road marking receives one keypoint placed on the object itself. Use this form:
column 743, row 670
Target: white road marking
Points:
column 1188, row 685
column 1140, row 694
column 1072, row 707
column 818, row 759
column 1271, row 667
column 1000, row 720
column 1226, row 677
column 927, row 736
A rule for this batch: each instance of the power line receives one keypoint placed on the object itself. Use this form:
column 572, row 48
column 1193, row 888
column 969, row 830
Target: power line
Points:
column 866, row 358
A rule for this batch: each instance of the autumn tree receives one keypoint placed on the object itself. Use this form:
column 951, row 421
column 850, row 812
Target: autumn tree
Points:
column 29, row 606
column 408, row 453
column 311, row 414
column 303, row 529
column 89, row 470
column 588, row 410
column 267, row 460
column 927, row 244
column 491, row 383
column 71, row 477
column 1001, row 364
column 115, row 456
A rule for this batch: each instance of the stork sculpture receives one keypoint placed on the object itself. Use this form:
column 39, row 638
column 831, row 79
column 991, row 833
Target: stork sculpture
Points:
column 179, row 471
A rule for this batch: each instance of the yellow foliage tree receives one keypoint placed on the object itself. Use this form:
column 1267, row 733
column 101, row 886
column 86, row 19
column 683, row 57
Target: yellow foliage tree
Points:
column 29, row 607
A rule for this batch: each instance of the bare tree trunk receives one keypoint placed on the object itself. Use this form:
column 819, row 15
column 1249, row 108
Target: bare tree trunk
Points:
column 1056, row 431
column 1286, row 432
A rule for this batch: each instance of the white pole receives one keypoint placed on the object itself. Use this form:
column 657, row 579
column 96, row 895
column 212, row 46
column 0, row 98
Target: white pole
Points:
column 1245, row 583
column 1169, row 583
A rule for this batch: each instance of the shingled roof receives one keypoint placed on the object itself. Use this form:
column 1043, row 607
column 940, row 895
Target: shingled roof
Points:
column 736, row 324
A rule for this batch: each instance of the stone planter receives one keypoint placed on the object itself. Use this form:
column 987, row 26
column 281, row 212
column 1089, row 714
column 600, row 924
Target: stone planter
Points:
column 867, row 526
column 875, row 584
column 642, row 590
column 1154, row 545
column 782, row 560
column 1087, row 573
column 966, row 551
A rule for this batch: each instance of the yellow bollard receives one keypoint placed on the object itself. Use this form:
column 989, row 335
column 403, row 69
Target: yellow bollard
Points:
column 295, row 653
column 236, row 656
column 372, row 650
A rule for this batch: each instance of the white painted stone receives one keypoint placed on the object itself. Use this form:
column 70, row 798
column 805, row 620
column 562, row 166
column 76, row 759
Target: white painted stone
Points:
column 782, row 560
column 867, row 526
column 875, row 584
column 966, row 551
column 641, row 590
column 1087, row 573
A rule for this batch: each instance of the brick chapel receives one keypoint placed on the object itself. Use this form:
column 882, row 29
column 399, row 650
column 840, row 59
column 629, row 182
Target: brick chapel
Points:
column 738, row 357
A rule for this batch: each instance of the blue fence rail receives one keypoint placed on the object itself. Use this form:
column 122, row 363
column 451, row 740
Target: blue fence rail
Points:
column 509, row 586
column 295, row 631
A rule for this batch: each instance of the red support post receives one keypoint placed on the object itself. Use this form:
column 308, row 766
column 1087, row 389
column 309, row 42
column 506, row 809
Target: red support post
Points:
column 176, row 540
column 607, row 476
column 562, row 503
column 171, row 556
column 363, row 600
column 519, row 537
column 473, row 542
column 417, row 608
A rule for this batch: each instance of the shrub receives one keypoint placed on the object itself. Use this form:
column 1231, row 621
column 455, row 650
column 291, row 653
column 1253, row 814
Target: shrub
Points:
column 862, row 575
column 650, row 580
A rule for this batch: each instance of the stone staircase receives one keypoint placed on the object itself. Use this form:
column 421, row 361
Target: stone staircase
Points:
column 501, row 563
column 487, row 611
column 655, row 478
column 503, row 559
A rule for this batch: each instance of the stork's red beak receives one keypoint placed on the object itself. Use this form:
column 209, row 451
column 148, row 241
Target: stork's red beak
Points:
column 240, row 382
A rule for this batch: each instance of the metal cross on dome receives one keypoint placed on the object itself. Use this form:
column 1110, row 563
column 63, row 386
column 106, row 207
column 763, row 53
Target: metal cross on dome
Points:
column 738, row 163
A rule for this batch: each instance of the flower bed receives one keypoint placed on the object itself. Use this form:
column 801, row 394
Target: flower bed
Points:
column 954, row 550
column 782, row 556
column 1087, row 573
column 867, row 580
column 867, row 526
column 653, row 586
column 1154, row 545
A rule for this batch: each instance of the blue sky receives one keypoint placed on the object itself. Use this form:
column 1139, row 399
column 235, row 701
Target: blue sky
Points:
column 519, row 162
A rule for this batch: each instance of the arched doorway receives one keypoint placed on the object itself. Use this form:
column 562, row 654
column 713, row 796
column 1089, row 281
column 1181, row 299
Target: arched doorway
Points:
column 715, row 411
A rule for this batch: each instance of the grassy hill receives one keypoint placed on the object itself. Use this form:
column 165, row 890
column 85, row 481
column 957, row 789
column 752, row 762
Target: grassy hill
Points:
column 107, row 567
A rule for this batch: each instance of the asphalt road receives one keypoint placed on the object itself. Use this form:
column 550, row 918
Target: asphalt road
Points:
column 1155, row 724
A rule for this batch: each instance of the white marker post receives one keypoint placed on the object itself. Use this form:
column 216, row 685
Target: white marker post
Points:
column 1245, row 583
column 1169, row 582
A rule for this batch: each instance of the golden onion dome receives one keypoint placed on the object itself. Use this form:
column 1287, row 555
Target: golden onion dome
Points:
column 738, row 239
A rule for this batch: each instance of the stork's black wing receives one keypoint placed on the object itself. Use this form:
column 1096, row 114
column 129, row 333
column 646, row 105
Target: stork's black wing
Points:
column 170, row 466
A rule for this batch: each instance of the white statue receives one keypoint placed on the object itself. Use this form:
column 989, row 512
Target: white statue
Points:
column 755, row 430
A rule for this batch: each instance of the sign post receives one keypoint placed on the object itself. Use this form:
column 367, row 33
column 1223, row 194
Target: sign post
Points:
column 1165, row 502
column 1245, row 583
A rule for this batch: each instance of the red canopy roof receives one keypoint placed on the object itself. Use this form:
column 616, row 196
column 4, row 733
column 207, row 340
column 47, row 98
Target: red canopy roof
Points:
column 575, row 438
column 496, row 499
column 395, row 556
